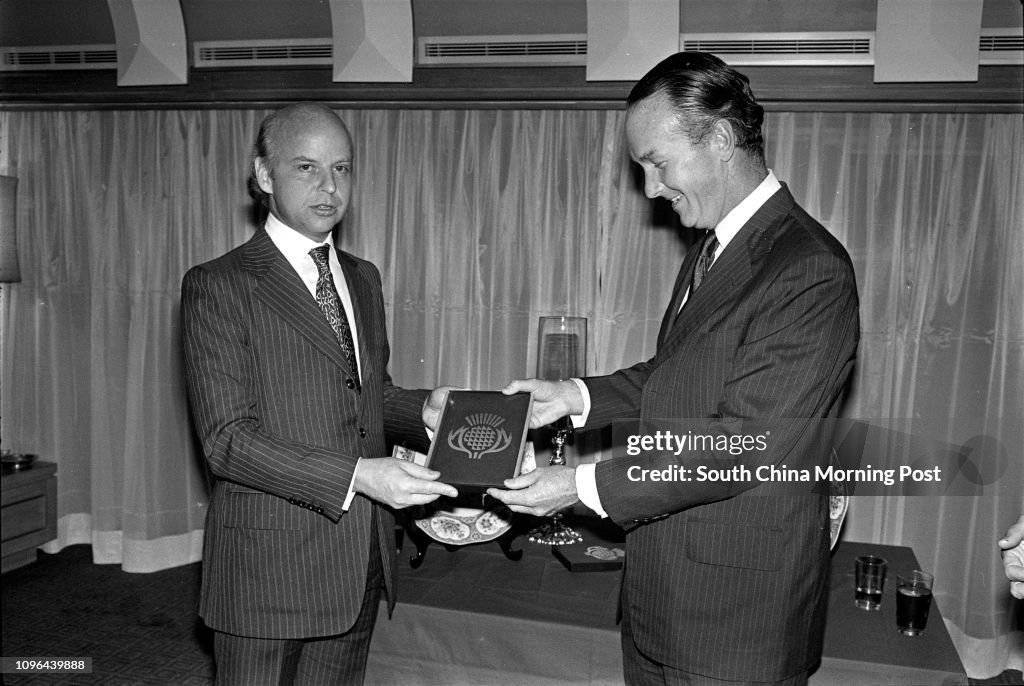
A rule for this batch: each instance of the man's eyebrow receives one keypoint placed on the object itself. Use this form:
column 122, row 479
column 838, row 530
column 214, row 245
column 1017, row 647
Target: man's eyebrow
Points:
column 303, row 158
column 646, row 157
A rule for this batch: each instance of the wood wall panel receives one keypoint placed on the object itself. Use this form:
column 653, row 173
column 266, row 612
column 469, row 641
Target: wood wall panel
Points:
column 998, row 89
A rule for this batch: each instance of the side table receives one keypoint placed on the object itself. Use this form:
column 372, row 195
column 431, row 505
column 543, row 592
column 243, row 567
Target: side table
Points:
column 28, row 513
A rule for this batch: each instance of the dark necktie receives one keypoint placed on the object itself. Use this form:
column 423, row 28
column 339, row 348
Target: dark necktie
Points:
column 704, row 260
column 330, row 303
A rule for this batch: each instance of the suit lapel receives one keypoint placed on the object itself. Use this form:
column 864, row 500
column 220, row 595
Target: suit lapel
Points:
column 733, row 268
column 683, row 279
column 362, row 298
column 281, row 290
column 730, row 271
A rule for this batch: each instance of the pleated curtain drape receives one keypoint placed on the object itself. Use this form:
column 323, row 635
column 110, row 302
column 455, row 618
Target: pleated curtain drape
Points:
column 481, row 221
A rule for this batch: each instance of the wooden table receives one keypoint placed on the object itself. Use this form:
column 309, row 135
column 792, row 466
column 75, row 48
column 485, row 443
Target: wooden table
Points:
column 28, row 512
column 861, row 642
column 472, row 616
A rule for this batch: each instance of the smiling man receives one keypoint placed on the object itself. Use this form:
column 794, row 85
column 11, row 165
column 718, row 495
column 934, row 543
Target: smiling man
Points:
column 761, row 332
column 286, row 359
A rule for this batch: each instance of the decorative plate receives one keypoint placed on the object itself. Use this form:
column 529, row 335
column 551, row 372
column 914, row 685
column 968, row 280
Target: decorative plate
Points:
column 466, row 525
column 837, row 503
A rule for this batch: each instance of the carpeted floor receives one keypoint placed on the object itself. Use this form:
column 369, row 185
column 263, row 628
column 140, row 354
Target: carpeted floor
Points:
column 139, row 629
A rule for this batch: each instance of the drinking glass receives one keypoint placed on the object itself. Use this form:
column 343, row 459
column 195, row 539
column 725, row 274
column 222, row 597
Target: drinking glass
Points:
column 913, row 600
column 870, row 578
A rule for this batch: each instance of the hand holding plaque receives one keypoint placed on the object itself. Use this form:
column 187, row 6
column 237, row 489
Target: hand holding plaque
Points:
column 480, row 439
column 552, row 400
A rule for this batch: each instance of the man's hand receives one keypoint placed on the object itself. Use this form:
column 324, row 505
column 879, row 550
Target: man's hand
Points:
column 552, row 400
column 435, row 404
column 399, row 483
column 1012, row 546
column 542, row 492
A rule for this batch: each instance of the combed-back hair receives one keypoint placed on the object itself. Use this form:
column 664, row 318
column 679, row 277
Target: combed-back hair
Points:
column 703, row 90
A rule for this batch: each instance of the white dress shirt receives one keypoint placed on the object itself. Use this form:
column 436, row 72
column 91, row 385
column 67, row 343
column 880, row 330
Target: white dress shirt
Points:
column 295, row 248
column 725, row 231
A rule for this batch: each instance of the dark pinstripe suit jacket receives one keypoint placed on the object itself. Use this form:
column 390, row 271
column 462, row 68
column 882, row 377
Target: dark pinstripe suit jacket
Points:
column 282, row 426
column 725, row 585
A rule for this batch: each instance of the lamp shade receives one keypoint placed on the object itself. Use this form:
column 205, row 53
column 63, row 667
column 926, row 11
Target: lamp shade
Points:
column 8, row 230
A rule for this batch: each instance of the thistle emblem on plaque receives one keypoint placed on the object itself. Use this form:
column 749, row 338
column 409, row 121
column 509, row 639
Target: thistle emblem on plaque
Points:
column 480, row 435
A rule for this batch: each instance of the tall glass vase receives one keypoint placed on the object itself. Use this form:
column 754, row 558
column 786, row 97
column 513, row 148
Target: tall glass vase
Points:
column 561, row 355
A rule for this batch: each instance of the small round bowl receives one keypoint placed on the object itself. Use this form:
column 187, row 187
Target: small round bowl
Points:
column 17, row 461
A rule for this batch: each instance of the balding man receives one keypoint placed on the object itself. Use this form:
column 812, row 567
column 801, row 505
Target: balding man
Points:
column 286, row 356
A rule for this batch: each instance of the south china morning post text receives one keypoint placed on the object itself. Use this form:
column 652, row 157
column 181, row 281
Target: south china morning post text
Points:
column 666, row 441
column 740, row 444
column 866, row 458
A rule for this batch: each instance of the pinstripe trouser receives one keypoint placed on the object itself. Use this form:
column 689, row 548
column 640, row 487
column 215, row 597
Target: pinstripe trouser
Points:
column 640, row 670
column 337, row 660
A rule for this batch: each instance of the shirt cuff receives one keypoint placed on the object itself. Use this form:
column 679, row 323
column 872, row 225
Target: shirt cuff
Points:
column 586, row 488
column 579, row 420
column 351, row 492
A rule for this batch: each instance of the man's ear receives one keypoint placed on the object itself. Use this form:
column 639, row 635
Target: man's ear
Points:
column 263, row 178
column 723, row 139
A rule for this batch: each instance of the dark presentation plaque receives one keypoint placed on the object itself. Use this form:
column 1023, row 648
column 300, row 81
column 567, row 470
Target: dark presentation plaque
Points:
column 480, row 439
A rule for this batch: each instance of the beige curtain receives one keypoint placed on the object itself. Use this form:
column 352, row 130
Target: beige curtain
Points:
column 482, row 221
column 931, row 208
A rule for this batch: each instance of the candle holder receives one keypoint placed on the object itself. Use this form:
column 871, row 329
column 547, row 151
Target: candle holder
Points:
column 561, row 355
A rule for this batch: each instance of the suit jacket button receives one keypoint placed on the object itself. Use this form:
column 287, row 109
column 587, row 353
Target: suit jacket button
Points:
column 350, row 383
column 362, row 432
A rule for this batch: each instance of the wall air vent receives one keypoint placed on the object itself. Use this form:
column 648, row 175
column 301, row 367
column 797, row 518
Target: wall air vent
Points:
column 262, row 53
column 547, row 50
column 844, row 48
column 1001, row 46
column 59, row 57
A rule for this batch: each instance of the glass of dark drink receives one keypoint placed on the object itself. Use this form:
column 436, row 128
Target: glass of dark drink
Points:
column 913, row 600
column 869, row 572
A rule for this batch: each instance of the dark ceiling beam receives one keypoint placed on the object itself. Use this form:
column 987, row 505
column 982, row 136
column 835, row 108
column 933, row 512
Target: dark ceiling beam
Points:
column 998, row 89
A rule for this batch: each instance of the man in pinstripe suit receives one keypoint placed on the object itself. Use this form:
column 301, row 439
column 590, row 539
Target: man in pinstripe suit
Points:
column 725, row 582
column 286, row 358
